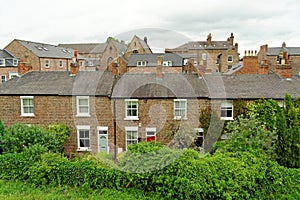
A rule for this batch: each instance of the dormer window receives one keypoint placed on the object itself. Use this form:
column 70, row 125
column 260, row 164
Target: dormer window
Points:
column 141, row 63
column 167, row 63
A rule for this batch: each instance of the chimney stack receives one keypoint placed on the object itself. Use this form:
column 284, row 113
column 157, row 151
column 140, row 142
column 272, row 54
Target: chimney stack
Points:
column 231, row 39
column 159, row 67
column 24, row 66
column 283, row 45
column 74, row 66
column 146, row 40
column 209, row 39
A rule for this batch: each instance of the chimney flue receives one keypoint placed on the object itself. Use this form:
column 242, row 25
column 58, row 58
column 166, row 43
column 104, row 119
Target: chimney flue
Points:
column 74, row 67
column 209, row 39
column 159, row 67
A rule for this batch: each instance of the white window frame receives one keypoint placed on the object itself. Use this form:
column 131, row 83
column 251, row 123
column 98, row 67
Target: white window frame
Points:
column 78, row 106
column 29, row 114
column 103, row 128
column 204, row 56
column 177, row 117
column 15, row 62
column 136, row 117
column 150, row 130
column 12, row 74
column 2, row 62
column 3, row 78
column 83, row 128
column 47, row 63
column 141, row 63
column 229, row 60
column 131, row 130
column 225, row 107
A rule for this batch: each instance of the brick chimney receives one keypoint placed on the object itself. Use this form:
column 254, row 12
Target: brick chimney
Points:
column 209, row 39
column 231, row 39
column 115, row 70
column 283, row 45
column 236, row 47
column 283, row 68
column 74, row 66
column 159, row 67
column 24, row 66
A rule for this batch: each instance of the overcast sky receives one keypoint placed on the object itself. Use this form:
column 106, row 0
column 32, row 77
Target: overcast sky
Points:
column 166, row 23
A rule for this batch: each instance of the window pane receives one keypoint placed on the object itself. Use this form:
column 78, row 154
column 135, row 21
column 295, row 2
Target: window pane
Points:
column 83, row 109
column 83, row 102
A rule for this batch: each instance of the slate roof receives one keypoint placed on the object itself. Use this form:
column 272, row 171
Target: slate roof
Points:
column 121, row 47
column 147, row 85
column 144, row 45
column 60, row 83
column 8, row 57
column 171, row 85
column 43, row 50
column 86, row 47
column 198, row 45
column 251, row 86
column 274, row 51
column 5, row 54
column 152, row 59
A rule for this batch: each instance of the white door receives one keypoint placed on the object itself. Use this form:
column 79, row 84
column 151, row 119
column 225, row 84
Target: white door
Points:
column 102, row 141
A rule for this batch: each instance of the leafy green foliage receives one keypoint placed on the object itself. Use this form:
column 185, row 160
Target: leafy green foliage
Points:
column 248, row 134
column 19, row 136
column 61, row 132
column 288, row 130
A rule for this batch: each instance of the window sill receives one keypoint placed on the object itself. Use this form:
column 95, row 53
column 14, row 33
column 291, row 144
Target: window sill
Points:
column 131, row 118
column 84, row 150
column 226, row 118
column 83, row 116
column 28, row 115
column 180, row 118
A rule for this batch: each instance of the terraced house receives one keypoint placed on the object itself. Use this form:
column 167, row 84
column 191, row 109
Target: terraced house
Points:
column 43, row 57
column 154, row 100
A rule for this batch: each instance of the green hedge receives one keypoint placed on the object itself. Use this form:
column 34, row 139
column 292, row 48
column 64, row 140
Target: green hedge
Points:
column 244, row 175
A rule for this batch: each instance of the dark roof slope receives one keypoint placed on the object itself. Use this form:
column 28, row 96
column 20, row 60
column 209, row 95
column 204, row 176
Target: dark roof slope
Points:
column 152, row 59
column 249, row 86
column 60, row 83
column 171, row 85
column 86, row 47
column 43, row 50
column 274, row 51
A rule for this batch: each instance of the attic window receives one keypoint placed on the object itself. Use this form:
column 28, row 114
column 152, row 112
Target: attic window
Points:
column 65, row 51
column 167, row 63
column 141, row 63
column 46, row 49
column 135, row 51
column 39, row 48
column 230, row 58
column 69, row 51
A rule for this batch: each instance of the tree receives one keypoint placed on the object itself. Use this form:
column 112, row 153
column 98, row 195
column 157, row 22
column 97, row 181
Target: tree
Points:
column 288, row 130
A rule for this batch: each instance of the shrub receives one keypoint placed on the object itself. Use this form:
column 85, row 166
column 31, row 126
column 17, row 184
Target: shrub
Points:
column 20, row 136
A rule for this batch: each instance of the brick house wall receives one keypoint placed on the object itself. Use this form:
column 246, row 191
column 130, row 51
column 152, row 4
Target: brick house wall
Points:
column 159, row 114
column 38, row 63
column 154, row 69
column 62, row 109
column 4, row 71
column 24, row 54
column 110, row 53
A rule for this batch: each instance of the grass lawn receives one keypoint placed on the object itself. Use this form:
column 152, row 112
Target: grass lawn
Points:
column 14, row 190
